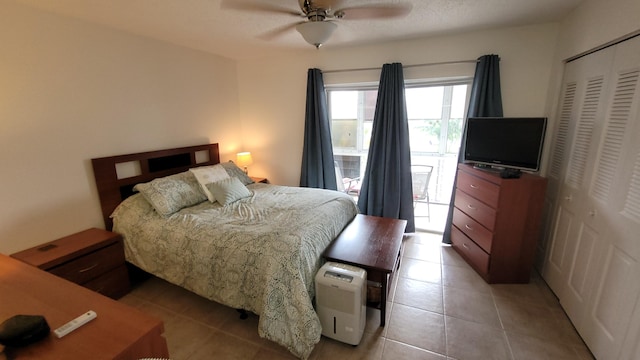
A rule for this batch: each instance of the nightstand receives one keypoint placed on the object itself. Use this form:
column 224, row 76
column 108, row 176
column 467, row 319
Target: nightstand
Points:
column 259, row 179
column 93, row 258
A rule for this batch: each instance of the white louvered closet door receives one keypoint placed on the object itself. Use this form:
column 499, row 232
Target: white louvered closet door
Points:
column 592, row 261
column 585, row 82
column 614, row 206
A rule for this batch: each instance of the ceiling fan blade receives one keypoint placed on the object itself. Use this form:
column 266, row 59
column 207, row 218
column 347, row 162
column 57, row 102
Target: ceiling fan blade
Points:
column 257, row 6
column 375, row 11
column 279, row 31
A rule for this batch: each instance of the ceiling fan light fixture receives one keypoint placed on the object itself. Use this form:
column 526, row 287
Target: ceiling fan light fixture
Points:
column 316, row 33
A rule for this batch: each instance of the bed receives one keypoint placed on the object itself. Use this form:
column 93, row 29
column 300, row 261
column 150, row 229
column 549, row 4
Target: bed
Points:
column 258, row 253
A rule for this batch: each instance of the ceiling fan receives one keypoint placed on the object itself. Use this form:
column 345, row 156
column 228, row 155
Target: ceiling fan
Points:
column 319, row 25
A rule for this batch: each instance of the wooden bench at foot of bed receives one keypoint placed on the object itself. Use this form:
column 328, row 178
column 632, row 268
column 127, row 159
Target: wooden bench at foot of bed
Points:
column 374, row 244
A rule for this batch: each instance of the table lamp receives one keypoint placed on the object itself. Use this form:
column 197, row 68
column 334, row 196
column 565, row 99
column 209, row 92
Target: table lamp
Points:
column 244, row 160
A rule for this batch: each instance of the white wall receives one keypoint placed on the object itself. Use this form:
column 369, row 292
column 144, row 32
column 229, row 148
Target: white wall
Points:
column 71, row 91
column 273, row 91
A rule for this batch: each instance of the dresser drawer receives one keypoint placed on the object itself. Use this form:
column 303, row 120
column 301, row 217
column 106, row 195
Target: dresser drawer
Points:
column 479, row 211
column 114, row 283
column 478, row 233
column 92, row 265
column 470, row 251
column 480, row 189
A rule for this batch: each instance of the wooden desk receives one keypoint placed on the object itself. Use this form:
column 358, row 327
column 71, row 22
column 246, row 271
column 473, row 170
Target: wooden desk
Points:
column 119, row 331
column 372, row 243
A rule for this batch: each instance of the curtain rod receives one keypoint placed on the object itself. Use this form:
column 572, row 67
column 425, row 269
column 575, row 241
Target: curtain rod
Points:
column 405, row 66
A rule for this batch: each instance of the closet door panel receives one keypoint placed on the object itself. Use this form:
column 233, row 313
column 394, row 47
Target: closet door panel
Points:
column 615, row 209
column 611, row 306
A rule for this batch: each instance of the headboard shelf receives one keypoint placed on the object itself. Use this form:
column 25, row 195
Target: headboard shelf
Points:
column 150, row 165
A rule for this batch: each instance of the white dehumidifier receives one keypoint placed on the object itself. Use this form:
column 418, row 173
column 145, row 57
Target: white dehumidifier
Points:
column 341, row 295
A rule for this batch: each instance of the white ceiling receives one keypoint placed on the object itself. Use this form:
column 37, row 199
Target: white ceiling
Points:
column 208, row 25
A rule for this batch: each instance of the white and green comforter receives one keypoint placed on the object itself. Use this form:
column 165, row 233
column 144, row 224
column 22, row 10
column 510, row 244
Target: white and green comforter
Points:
column 259, row 254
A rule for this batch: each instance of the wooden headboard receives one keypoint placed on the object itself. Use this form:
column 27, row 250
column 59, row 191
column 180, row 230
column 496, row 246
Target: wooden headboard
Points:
column 145, row 166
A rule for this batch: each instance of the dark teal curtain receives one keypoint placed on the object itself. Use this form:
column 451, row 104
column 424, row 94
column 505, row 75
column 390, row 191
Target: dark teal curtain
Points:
column 485, row 101
column 386, row 186
column 318, row 169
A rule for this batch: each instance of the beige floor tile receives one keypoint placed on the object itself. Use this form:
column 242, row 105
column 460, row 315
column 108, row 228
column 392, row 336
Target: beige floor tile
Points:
column 426, row 252
column 220, row 345
column 468, row 340
column 370, row 347
column 524, row 293
column 421, row 270
column 185, row 336
column 528, row 319
column 419, row 294
column 533, row 348
column 394, row 350
column 451, row 257
column 470, row 305
column 416, row 327
column 151, row 288
column 208, row 312
column 463, row 278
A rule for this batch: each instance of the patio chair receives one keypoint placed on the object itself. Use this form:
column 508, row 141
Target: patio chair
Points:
column 420, row 176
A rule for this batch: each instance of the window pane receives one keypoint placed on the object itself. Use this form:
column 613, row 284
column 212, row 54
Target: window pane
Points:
column 344, row 104
column 344, row 133
column 424, row 135
column 458, row 101
column 425, row 102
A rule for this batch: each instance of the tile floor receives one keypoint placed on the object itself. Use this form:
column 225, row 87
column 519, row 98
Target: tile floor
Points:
column 439, row 309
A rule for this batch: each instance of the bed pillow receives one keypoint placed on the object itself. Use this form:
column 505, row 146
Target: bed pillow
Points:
column 229, row 190
column 234, row 171
column 172, row 193
column 208, row 175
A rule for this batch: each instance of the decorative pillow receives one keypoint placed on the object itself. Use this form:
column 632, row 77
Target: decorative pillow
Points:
column 172, row 193
column 229, row 190
column 207, row 175
column 234, row 171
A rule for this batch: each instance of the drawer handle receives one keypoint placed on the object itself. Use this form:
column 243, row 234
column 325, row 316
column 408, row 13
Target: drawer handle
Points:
column 465, row 246
column 89, row 268
column 473, row 186
column 471, row 207
column 468, row 227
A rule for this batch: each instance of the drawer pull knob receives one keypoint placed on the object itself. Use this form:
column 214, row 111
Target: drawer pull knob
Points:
column 473, row 186
column 468, row 227
column 465, row 246
column 88, row 268
column 471, row 207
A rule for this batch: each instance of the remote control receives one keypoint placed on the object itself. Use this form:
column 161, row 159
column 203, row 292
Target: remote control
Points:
column 75, row 323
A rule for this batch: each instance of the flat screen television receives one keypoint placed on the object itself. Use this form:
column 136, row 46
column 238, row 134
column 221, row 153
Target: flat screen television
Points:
column 505, row 143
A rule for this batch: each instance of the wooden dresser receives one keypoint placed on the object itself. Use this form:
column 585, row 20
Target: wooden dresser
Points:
column 496, row 223
column 119, row 331
column 93, row 258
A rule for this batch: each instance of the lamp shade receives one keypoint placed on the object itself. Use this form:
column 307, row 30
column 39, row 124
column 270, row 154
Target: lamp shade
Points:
column 244, row 158
column 316, row 32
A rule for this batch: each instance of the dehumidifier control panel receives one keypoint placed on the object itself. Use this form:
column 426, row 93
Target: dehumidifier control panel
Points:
column 338, row 276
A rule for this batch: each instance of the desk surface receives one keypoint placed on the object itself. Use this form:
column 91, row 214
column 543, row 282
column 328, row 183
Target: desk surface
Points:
column 369, row 242
column 119, row 331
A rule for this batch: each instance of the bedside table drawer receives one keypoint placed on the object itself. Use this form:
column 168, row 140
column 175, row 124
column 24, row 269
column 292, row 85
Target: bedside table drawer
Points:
column 113, row 284
column 92, row 265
